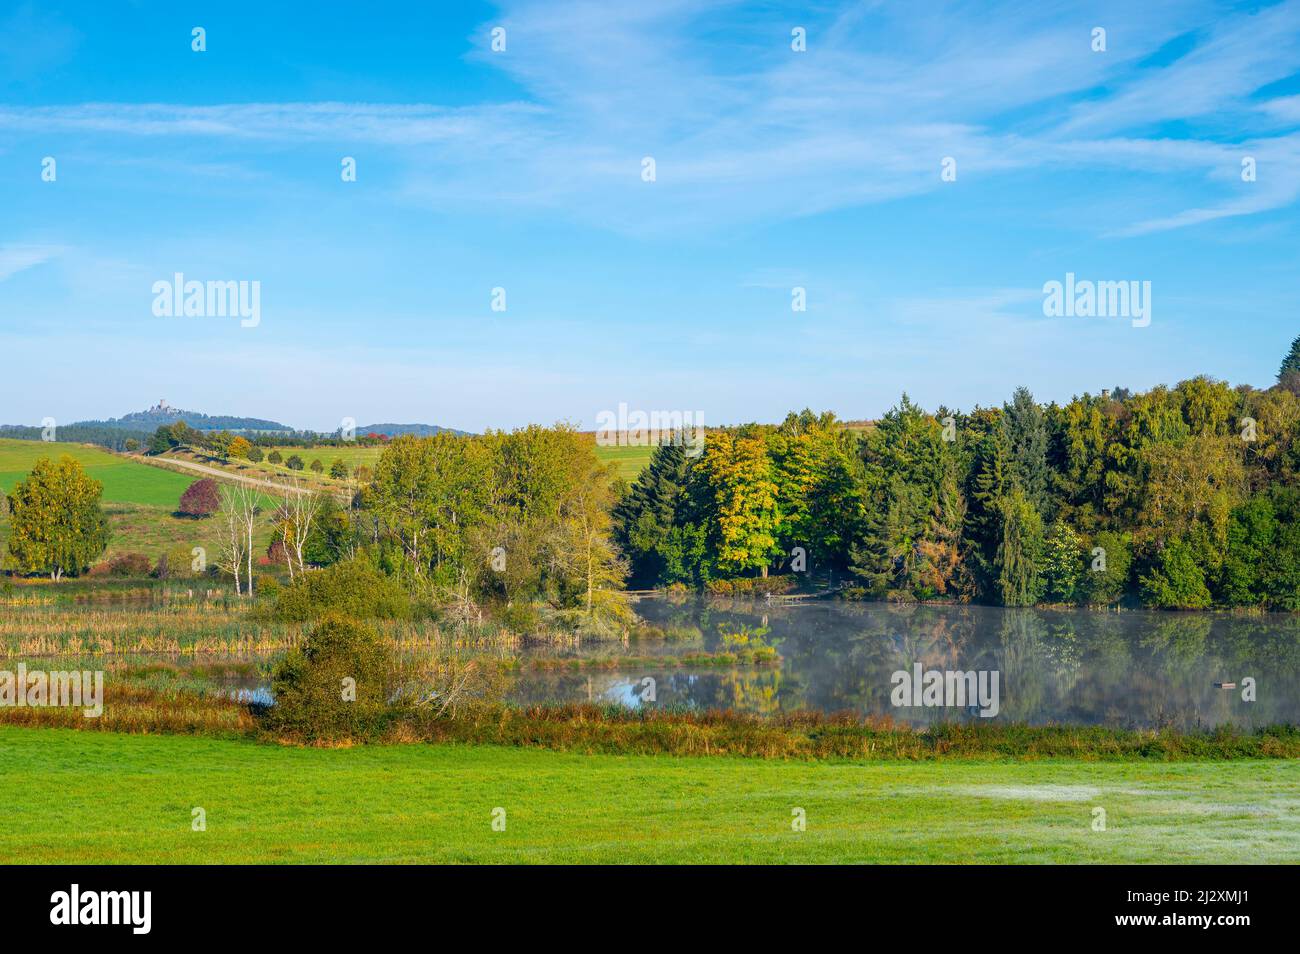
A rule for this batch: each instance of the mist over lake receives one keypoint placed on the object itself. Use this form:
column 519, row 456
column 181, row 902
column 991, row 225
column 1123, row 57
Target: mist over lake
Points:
column 1129, row 669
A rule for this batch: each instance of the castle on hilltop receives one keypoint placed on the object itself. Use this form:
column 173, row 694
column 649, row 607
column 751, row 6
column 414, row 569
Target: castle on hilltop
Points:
column 161, row 408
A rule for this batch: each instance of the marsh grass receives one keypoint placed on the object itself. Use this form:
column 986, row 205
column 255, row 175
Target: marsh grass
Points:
column 146, row 709
column 180, row 708
column 761, row 656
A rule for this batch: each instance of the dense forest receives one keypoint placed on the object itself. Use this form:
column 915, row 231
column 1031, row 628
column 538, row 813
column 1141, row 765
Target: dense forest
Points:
column 1183, row 497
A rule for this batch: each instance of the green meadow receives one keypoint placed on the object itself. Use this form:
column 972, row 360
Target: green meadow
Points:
column 628, row 461
column 91, row 798
column 125, row 481
column 139, row 500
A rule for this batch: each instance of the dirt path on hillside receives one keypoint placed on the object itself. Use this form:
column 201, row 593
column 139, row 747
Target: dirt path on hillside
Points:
column 166, row 463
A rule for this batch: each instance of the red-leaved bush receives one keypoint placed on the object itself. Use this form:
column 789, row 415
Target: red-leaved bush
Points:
column 200, row 499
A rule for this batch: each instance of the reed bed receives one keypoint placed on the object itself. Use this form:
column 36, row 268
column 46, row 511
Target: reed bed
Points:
column 691, row 660
column 144, row 709
column 177, row 628
column 132, row 706
column 181, row 626
column 809, row 735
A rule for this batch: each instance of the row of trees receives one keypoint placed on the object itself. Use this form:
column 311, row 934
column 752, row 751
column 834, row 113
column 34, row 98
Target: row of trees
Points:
column 514, row 517
column 228, row 446
column 509, row 518
column 1184, row 497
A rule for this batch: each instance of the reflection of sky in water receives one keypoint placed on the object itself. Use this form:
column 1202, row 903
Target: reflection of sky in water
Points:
column 1134, row 668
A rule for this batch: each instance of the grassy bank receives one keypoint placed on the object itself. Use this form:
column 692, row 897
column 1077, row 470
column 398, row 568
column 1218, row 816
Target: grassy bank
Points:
column 164, row 699
column 108, row 798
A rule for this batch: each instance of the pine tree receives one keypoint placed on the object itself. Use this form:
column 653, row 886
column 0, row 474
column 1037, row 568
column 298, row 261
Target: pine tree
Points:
column 987, row 485
column 1291, row 363
column 647, row 514
column 1027, row 439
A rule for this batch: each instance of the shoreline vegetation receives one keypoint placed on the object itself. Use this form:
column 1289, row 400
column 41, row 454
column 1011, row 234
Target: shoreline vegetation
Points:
column 614, row 730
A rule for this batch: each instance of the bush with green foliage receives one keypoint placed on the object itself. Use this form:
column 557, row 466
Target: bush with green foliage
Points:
column 1110, row 561
column 336, row 685
column 1064, row 564
column 354, row 587
column 274, row 457
column 1175, row 579
column 177, row 563
column 294, row 463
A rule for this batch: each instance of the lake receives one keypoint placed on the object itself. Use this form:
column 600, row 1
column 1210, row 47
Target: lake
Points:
column 1124, row 669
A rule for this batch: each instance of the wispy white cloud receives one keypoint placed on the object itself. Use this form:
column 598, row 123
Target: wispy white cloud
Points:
column 19, row 258
column 882, row 95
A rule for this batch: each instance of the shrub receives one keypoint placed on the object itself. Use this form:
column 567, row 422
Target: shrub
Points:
column 176, row 563
column 317, row 466
column 255, row 454
column 339, row 469
column 752, row 585
column 274, row 457
column 294, row 463
column 268, row 586
column 200, row 499
column 353, row 587
column 128, row 564
column 520, row 618
column 336, row 685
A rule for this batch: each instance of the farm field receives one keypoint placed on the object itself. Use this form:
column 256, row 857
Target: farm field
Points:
column 629, row 461
column 94, row 798
column 124, row 480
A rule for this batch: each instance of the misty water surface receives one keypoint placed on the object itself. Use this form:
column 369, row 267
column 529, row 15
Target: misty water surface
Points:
column 1127, row 669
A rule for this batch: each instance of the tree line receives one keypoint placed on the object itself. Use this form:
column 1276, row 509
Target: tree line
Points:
column 1184, row 497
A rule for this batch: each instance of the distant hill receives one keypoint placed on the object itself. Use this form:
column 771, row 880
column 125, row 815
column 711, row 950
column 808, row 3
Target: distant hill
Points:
column 150, row 420
column 419, row 430
column 114, row 432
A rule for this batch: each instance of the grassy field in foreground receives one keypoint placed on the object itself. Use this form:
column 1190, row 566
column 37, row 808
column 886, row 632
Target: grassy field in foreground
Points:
column 86, row 797
column 124, row 481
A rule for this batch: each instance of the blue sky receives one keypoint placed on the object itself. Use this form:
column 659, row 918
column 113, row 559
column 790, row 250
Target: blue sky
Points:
column 521, row 169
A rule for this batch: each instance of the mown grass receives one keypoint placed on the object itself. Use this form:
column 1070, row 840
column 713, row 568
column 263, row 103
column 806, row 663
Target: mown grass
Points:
column 124, row 480
column 106, row 798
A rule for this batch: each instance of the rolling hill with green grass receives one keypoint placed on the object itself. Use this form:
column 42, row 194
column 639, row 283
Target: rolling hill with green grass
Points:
column 125, row 481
